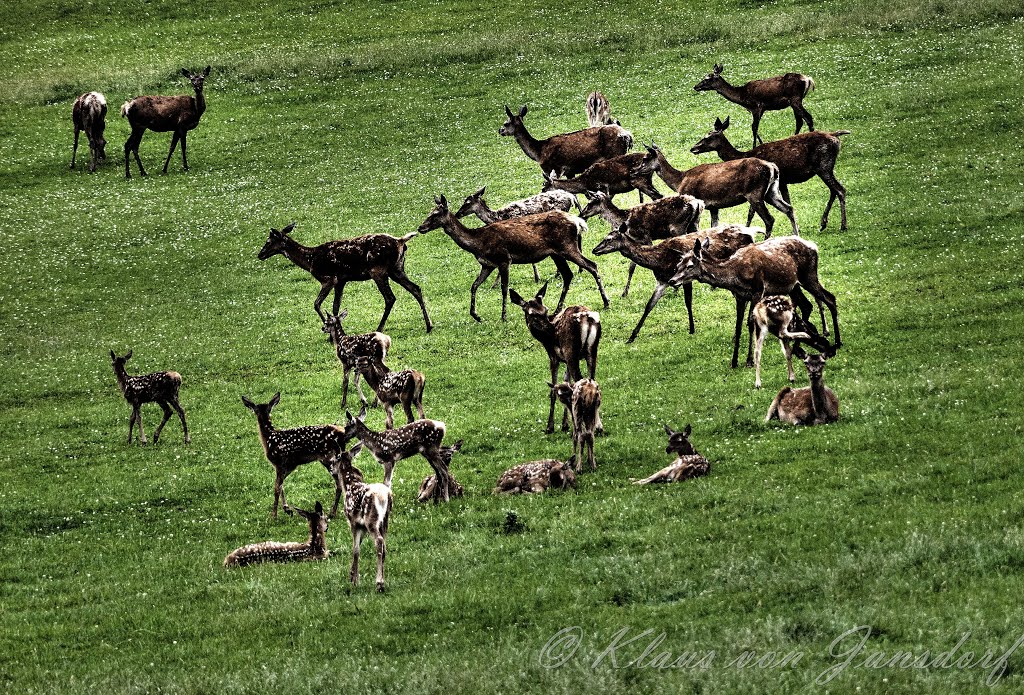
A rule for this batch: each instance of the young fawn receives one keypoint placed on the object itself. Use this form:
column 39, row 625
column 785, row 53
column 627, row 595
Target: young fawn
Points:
column 688, row 464
column 159, row 387
column 315, row 547
column 367, row 508
column 816, row 404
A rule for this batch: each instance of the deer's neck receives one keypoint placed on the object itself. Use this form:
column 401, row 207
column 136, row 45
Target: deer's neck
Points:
column 725, row 276
column 200, row 102
column 374, row 441
column 819, row 399
column 645, row 255
column 485, row 214
column 460, row 233
column 736, row 95
column 375, row 376
column 298, row 254
column 122, row 379
column 727, row 153
column 266, row 432
column 668, row 173
column 530, row 145
column 543, row 329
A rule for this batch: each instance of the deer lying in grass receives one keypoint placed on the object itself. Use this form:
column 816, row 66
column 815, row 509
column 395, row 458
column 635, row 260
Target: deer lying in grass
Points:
column 377, row 257
column 315, row 547
column 799, row 158
column 758, row 96
column 368, row 509
column 537, row 476
column 599, row 111
column 288, row 449
column 159, row 387
column 350, row 347
column 568, row 154
column 405, row 387
column 611, row 177
column 583, row 400
column 178, row 114
column 688, row 464
column 775, row 315
column 428, row 488
column 813, row 405
column 89, row 113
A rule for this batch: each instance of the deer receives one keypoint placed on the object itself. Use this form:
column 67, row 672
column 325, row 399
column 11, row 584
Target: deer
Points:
column 799, row 158
column 688, row 464
column 315, row 547
column 725, row 185
column 599, row 111
column 609, row 176
column 567, row 154
column 178, row 114
column 159, row 387
column 758, row 96
column 570, row 336
column 89, row 113
column 428, row 488
column 288, row 449
column 377, row 257
column 816, row 404
column 520, row 240
column 405, row 387
column 537, row 476
column 583, row 399
column 776, row 315
column 368, row 509
column 350, row 347
column 419, row 437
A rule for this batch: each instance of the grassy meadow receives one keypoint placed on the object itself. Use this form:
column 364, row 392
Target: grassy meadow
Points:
column 904, row 519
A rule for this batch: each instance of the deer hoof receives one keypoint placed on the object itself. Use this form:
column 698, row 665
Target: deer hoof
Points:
column 477, row 318
column 380, row 587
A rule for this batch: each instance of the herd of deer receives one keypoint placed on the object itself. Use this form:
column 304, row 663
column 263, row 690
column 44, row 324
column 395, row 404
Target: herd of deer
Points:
column 770, row 277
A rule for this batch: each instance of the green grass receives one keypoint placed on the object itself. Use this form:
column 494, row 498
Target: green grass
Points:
column 904, row 516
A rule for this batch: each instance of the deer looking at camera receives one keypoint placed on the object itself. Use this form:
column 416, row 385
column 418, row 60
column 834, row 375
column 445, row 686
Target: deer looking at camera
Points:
column 89, row 113
column 688, row 463
column 776, row 315
column 348, row 348
column 599, row 111
column 583, row 400
column 315, row 547
column 816, row 404
column 368, row 510
column 159, row 387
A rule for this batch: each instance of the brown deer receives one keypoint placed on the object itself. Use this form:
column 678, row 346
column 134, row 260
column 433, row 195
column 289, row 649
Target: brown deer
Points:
column 725, row 185
column 349, row 347
column 816, row 404
column 405, row 387
column 178, row 114
column 799, row 158
column 89, row 113
column 583, row 399
column 368, row 509
column 315, row 547
column 775, row 315
column 521, row 240
column 571, row 335
column 568, row 154
column 689, row 463
column 599, row 111
column 377, row 257
column 428, row 488
column 537, row 476
column 758, row 96
column 288, row 449
column 611, row 177
column 159, row 387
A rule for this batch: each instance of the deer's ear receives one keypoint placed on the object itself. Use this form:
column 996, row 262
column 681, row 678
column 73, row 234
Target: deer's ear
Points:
column 185, row 72
column 719, row 126
column 669, row 431
column 354, row 451
column 275, row 400
column 726, row 123
column 289, row 228
column 543, row 290
column 342, row 315
column 362, row 414
column 718, row 68
column 443, row 202
column 508, row 111
column 112, row 356
column 687, row 430
column 319, row 508
column 481, row 191
column 206, row 72
column 128, row 356
column 522, row 111
column 248, row 404
column 512, row 294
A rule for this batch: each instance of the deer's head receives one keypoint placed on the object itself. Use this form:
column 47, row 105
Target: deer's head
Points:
column 342, row 463
column 318, row 521
column 332, row 326
column 472, row 203
column 563, row 392
column 514, row 123
column 277, row 242
column 650, row 164
column 118, row 362
column 437, row 216
column 615, row 240
column 691, row 263
column 262, row 410
column 196, row 78
column 714, row 140
column 711, row 81
column 679, row 442
column 355, row 425
column 815, row 365
column 533, row 308
column 562, row 476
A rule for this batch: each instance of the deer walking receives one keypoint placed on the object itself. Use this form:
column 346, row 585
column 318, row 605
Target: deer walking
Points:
column 159, row 387
column 89, row 113
column 368, row 510
column 776, row 315
column 537, row 476
column 314, row 548
column 689, row 463
column 348, row 348
column 405, row 387
column 611, row 177
column 816, row 404
column 583, row 399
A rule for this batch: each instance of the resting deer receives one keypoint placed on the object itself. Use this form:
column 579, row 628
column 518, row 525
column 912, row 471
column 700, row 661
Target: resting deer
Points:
column 288, row 449
column 159, row 387
column 368, row 509
column 758, row 96
column 377, row 257
column 611, row 177
column 428, row 488
column 799, row 158
column 775, row 315
column 315, row 547
column 568, row 154
column 583, row 399
column 813, row 405
column 521, row 240
column 570, row 336
column 599, row 111
column 537, row 476
column 178, row 114
column 405, row 387
column 350, row 347
column 89, row 113
column 688, row 463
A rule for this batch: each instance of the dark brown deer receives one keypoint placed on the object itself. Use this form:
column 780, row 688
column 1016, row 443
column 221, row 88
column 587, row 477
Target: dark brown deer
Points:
column 611, row 177
column 758, row 96
column 349, row 347
column 405, row 387
column 816, row 404
column 315, row 547
column 687, row 465
column 177, row 114
column 776, row 315
column 428, row 488
column 568, row 154
column 159, row 387
column 377, row 257
column 288, row 449
column 368, row 510
column 537, row 476
column 599, row 111
column 799, row 158
column 521, row 240
column 89, row 113
column 583, row 400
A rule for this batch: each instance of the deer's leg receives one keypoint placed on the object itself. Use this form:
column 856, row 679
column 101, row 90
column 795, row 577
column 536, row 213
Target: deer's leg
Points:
column 780, row 203
column 339, row 290
column 132, row 146
column 754, row 126
column 278, row 492
column 536, row 275
column 838, row 191
column 174, row 143
column 714, row 216
column 766, row 217
column 167, row 416
column 344, row 388
column 787, row 352
column 566, row 273
column 389, row 299
column 441, row 475
column 403, row 280
column 325, row 287
column 741, row 304
column 806, row 114
column 503, row 276
column 181, row 415
column 389, row 415
column 338, row 489
column 74, row 149
column 357, row 539
column 759, row 337
column 407, row 407
column 138, row 418
column 588, row 441
column 389, row 469
column 647, row 186
column 629, row 278
column 553, row 363
column 184, row 160
column 750, row 333
column 688, row 299
column 659, row 290
column 801, row 302
column 485, row 271
column 591, row 267
column 382, row 551
column 799, row 118
column 131, row 424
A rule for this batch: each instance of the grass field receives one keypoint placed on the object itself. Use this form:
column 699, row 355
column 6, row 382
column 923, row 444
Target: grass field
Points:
column 905, row 516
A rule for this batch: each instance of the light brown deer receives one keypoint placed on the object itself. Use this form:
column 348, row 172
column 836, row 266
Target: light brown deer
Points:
column 405, row 387
column 537, row 476
column 178, row 114
column 89, row 113
column 159, row 387
column 349, row 347
column 520, row 240
column 799, row 158
column 583, row 399
column 315, row 547
column 599, row 111
column 758, row 96
column 611, row 177
column 377, row 257
column 816, row 404
column 368, row 510
column 288, row 449
column 689, row 463
column 775, row 315
column 428, row 488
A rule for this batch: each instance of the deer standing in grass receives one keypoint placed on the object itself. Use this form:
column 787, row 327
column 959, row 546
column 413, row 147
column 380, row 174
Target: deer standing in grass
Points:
column 775, row 315
column 315, row 547
column 178, row 114
column 689, row 463
column 159, row 387
column 350, row 347
column 537, row 476
column 405, row 387
column 816, row 404
column 583, row 400
column 368, row 510
column 288, row 449
column 758, row 96
column 611, row 177
column 377, row 257
column 89, row 113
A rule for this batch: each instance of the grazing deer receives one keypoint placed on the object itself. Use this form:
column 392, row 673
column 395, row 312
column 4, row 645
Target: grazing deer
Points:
column 159, row 387
column 725, row 185
column 428, row 488
column 89, row 113
column 315, row 547
column 288, row 449
column 178, row 114
column 799, row 158
column 368, row 509
column 568, row 154
column 571, row 335
column 420, row 437
column 609, row 176
column 350, row 347
column 583, row 399
column 758, row 96
column 405, row 387
column 599, row 111
column 689, row 463
column 816, row 404
column 377, row 257
column 520, row 240
column 775, row 314
column 537, row 476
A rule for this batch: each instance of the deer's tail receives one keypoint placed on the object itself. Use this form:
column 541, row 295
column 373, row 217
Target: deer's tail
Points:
column 808, row 85
column 126, row 107
column 837, row 133
column 408, row 237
